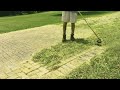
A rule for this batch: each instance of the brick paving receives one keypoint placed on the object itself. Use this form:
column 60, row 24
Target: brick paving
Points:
column 32, row 70
column 20, row 46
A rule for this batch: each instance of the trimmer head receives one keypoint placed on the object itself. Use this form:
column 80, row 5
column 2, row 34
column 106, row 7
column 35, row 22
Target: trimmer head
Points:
column 99, row 42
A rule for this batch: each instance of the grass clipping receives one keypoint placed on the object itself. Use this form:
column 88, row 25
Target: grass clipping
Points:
column 52, row 57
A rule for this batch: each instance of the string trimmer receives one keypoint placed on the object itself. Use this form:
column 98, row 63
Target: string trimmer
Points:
column 99, row 41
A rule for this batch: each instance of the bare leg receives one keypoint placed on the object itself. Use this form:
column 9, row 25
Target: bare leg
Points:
column 72, row 31
column 64, row 31
column 64, row 28
column 72, row 28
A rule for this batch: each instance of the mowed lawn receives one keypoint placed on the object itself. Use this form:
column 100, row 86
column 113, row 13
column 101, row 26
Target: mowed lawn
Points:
column 15, row 23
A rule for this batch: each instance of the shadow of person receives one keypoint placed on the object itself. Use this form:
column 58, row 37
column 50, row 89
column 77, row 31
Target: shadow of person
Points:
column 80, row 41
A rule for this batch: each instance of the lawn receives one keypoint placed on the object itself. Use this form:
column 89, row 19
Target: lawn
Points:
column 15, row 23
column 106, row 66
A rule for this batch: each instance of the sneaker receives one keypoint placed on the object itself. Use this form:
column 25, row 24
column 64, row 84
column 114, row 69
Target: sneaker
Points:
column 64, row 38
column 72, row 37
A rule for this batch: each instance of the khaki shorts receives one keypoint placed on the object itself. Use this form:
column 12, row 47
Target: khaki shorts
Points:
column 68, row 16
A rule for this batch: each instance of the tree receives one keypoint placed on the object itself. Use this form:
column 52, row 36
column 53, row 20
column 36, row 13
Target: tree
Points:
column 12, row 13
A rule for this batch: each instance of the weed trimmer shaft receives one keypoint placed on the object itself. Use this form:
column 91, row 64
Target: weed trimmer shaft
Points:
column 99, row 41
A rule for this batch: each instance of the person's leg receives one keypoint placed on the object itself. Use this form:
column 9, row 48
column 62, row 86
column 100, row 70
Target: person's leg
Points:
column 64, row 31
column 65, row 19
column 72, row 31
column 73, row 19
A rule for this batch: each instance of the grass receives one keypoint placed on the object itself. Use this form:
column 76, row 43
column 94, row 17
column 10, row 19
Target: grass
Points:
column 15, row 23
column 53, row 56
column 106, row 66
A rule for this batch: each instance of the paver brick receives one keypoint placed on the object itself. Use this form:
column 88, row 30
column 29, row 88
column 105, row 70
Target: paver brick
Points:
column 3, row 76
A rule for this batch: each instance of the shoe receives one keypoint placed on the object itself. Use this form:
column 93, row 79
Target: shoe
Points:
column 72, row 37
column 64, row 38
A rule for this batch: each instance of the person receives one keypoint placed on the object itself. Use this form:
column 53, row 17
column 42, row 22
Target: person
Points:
column 69, row 16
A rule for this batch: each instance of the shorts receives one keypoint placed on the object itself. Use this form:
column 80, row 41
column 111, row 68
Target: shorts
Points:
column 69, row 16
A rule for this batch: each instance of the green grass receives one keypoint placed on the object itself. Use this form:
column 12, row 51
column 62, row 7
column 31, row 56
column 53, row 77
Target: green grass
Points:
column 15, row 23
column 106, row 66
